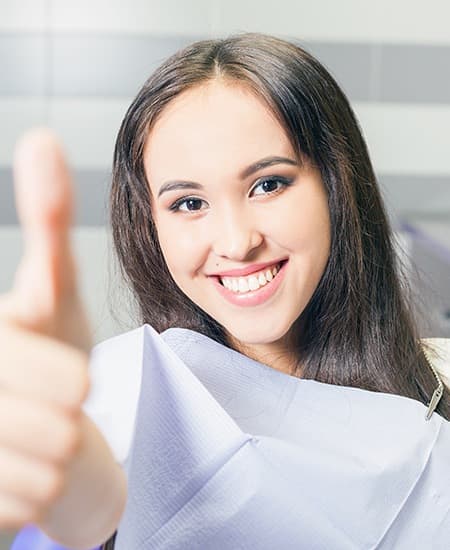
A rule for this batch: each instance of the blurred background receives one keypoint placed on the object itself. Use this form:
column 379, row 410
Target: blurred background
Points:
column 76, row 65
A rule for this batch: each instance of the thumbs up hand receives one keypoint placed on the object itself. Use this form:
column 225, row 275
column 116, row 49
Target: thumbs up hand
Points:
column 44, row 341
column 45, row 295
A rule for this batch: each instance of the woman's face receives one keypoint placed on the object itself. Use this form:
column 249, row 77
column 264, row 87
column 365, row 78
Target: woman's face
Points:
column 243, row 225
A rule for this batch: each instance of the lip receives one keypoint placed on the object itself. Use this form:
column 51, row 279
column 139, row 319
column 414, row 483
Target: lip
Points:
column 254, row 297
column 248, row 270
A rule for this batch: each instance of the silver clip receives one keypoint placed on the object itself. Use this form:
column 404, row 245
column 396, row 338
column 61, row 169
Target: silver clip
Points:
column 438, row 392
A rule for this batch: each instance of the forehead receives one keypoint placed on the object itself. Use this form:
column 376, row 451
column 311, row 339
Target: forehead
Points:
column 213, row 126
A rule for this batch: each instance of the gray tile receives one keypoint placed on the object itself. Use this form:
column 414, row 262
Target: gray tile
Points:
column 88, row 64
column 7, row 208
column 92, row 64
column 405, row 195
column 410, row 194
column 22, row 64
column 415, row 73
column 91, row 193
column 350, row 64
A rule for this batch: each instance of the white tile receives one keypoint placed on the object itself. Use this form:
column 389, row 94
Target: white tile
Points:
column 158, row 16
column 23, row 64
column 88, row 129
column 16, row 116
column 401, row 138
column 346, row 20
column 410, row 139
column 23, row 15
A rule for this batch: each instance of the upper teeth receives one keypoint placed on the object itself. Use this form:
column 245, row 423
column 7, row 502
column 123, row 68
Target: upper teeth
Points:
column 251, row 282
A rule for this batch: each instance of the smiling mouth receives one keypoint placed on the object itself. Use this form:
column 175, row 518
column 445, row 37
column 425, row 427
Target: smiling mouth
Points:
column 250, row 283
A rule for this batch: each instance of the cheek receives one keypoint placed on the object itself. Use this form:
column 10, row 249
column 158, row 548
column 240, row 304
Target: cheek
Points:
column 181, row 251
column 305, row 229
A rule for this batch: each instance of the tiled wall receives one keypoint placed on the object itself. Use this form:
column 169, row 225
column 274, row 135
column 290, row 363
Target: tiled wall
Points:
column 76, row 64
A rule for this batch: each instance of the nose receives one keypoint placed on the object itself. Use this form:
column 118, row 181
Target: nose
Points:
column 235, row 235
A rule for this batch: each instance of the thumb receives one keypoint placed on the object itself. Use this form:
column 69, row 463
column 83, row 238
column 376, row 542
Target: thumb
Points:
column 45, row 295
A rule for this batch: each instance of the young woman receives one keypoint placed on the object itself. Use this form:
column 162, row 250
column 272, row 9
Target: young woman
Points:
column 245, row 209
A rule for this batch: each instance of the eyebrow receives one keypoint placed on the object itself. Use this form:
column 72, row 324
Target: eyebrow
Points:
column 177, row 185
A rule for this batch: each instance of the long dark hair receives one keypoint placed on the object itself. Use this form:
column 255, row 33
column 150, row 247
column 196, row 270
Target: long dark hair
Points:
column 357, row 330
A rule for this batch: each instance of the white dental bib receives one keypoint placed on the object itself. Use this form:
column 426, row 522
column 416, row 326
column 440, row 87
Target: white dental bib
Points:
column 226, row 453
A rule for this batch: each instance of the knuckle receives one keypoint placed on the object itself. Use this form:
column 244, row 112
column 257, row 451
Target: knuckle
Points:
column 16, row 521
column 16, row 512
column 52, row 485
column 68, row 442
column 80, row 379
column 33, row 515
column 4, row 402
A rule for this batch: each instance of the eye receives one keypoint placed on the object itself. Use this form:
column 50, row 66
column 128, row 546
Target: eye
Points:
column 270, row 185
column 188, row 204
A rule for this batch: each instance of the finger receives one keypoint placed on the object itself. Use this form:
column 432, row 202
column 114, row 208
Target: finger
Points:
column 29, row 479
column 42, row 181
column 45, row 297
column 36, row 429
column 16, row 512
column 41, row 368
column 44, row 205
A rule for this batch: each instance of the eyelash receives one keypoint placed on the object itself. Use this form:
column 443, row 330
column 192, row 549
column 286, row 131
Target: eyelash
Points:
column 285, row 182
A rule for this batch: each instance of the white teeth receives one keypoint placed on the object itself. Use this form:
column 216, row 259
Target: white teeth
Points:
column 243, row 285
column 261, row 279
column 252, row 282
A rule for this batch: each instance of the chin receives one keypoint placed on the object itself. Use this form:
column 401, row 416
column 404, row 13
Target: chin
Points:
column 262, row 337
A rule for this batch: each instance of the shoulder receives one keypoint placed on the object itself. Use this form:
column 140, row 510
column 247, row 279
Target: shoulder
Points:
column 115, row 380
column 440, row 356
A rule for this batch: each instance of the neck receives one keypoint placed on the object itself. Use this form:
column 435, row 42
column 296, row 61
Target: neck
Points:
column 275, row 355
